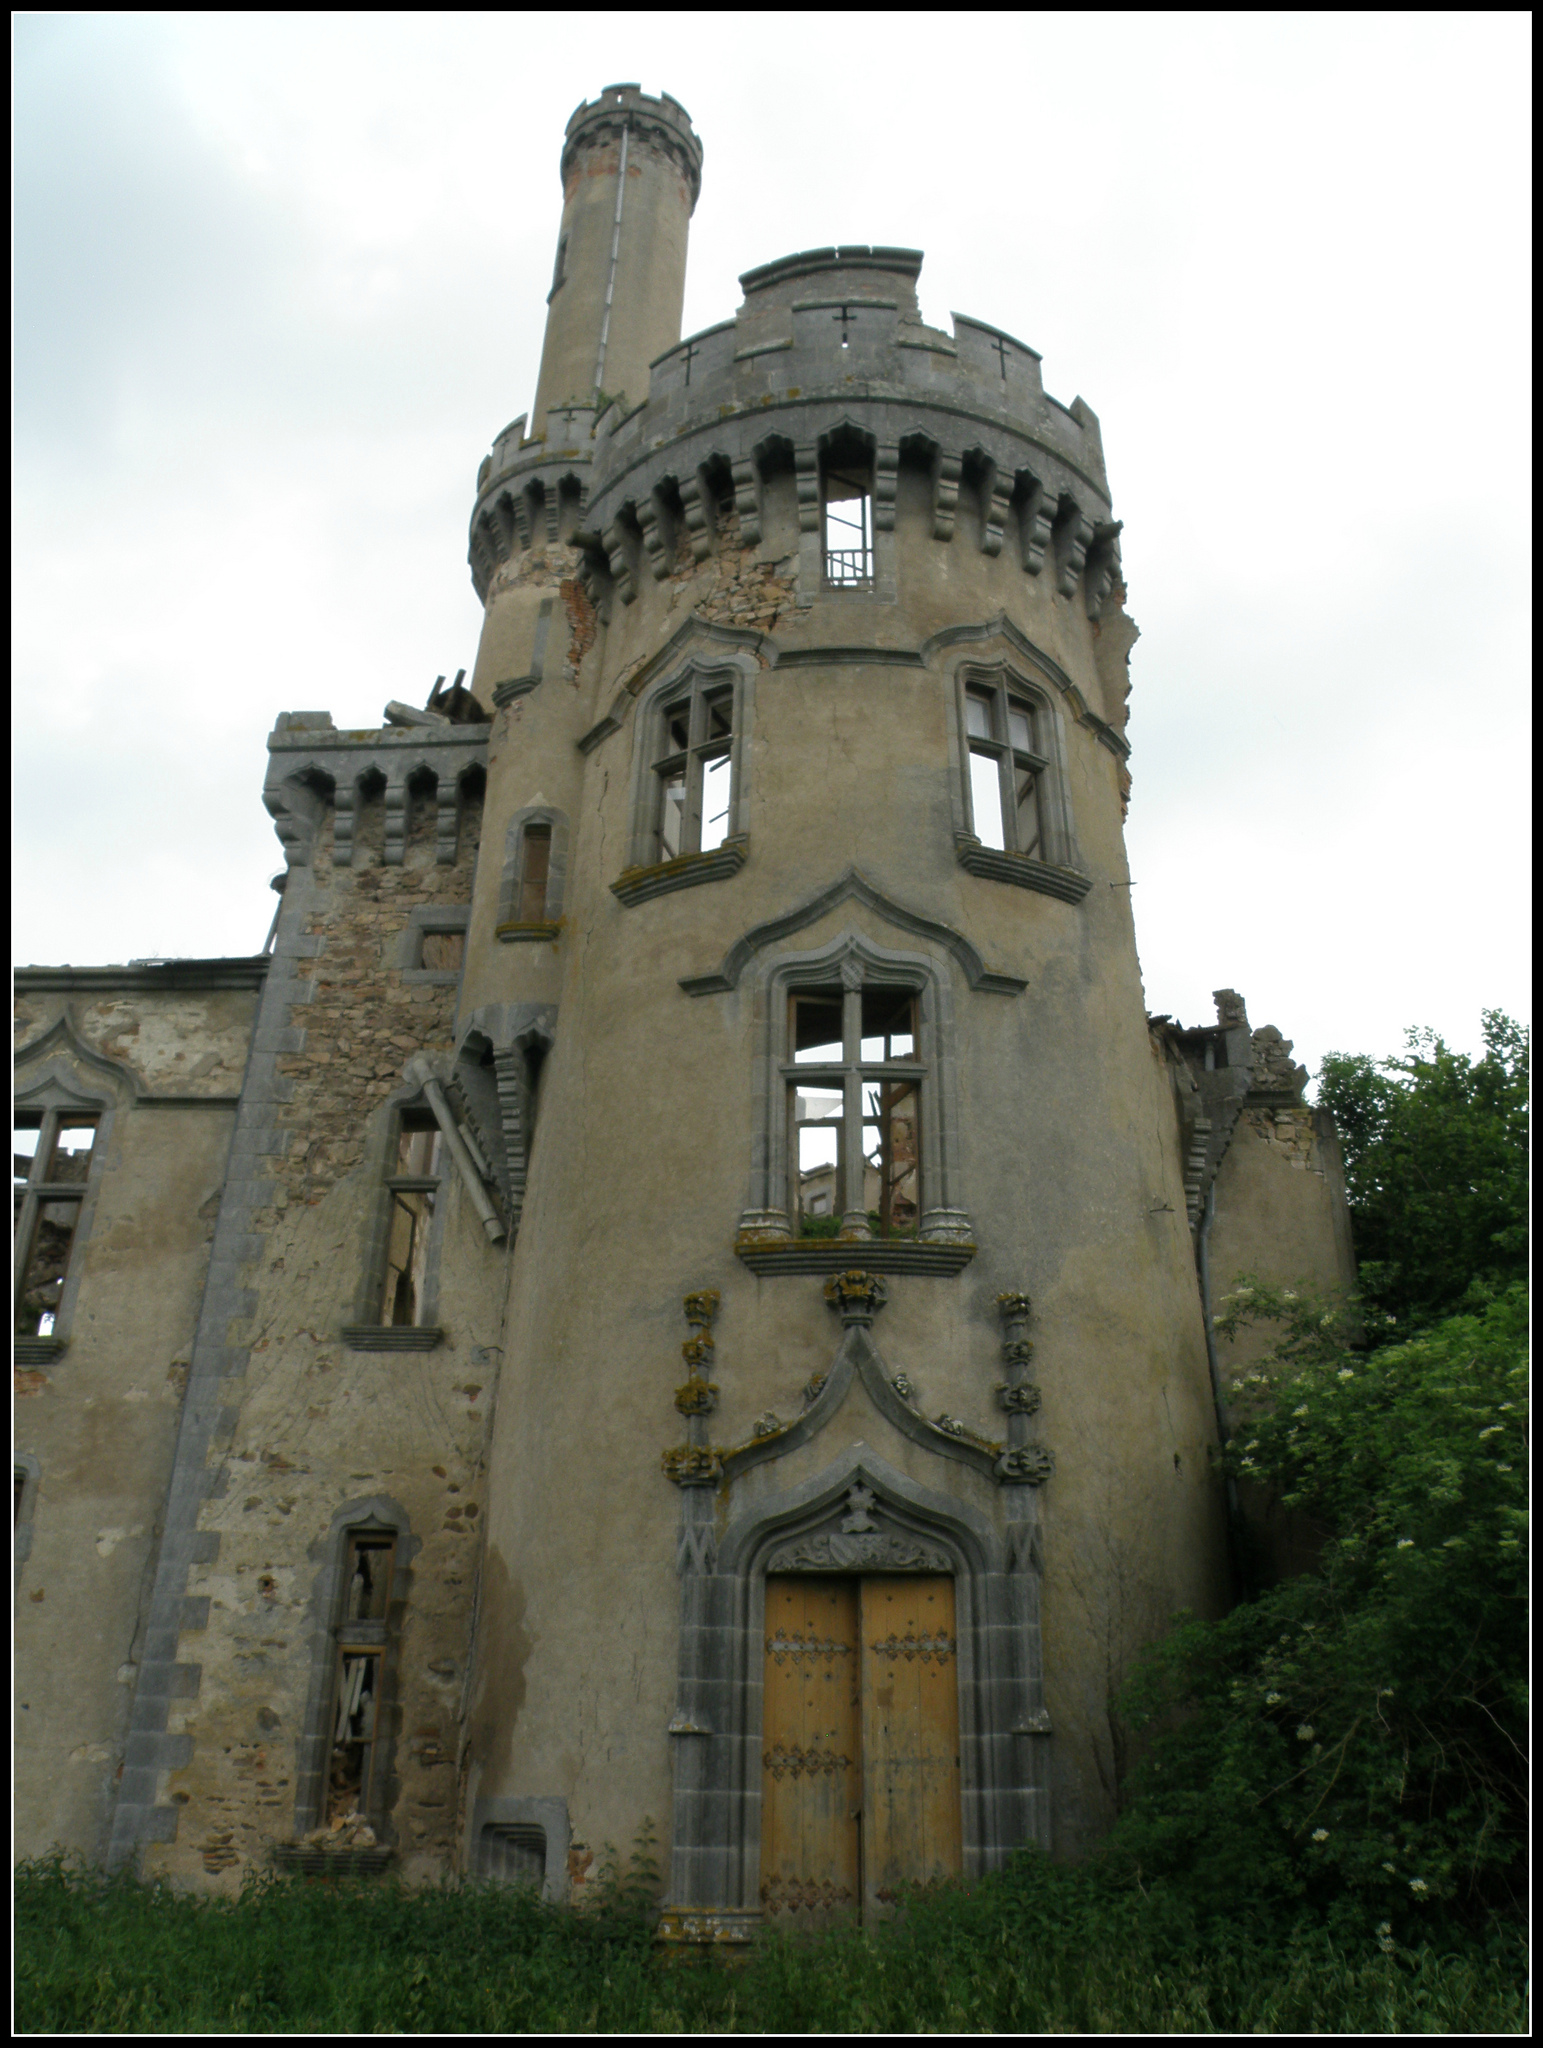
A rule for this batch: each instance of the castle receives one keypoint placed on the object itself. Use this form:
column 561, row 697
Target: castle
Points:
column 678, row 1285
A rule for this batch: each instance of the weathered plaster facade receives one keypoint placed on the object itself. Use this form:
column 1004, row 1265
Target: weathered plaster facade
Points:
column 517, row 921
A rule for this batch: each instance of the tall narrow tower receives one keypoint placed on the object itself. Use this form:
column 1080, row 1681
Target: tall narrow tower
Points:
column 631, row 171
column 802, row 943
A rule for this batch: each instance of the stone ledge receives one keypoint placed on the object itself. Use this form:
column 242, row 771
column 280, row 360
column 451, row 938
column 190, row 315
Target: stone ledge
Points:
column 38, row 1350
column 837, row 1255
column 391, row 1336
column 1023, row 870
column 641, row 885
column 514, row 934
column 517, row 686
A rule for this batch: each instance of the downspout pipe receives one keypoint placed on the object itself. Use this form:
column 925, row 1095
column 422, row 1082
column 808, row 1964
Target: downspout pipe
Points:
column 418, row 1070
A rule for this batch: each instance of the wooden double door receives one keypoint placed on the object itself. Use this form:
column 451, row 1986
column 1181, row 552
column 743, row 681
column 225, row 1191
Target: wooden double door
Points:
column 860, row 1744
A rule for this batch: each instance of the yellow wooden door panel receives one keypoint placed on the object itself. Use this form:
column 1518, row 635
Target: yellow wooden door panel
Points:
column 810, row 1769
column 910, row 1736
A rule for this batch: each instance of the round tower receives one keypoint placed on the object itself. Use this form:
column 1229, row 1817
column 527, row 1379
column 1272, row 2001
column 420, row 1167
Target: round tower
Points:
column 854, row 1417
column 631, row 171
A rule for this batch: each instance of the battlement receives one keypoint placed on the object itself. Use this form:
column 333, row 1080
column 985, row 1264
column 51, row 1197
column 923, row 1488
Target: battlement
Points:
column 662, row 122
column 828, row 345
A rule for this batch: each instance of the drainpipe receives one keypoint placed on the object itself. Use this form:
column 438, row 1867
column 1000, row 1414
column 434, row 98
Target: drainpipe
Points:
column 610, row 283
column 418, row 1069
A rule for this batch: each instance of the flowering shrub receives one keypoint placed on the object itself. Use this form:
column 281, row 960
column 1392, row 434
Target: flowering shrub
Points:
column 1352, row 1740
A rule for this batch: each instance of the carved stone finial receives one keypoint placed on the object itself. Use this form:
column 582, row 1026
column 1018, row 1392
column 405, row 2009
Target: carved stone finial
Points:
column 857, row 1518
column 702, row 1307
column 1018, row 1350
column 693, row 1465
column 1025, row 1465
column 856, row 1296
column 1014, row 1308
column 698, row 1352
column 767, row 1425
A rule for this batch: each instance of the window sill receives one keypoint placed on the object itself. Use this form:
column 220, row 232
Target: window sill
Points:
column 514, row 934
column 430, row 977
column 300, row 1856
column 1023, row 870
column 837, row 1255
column 640, row 885
column 38, row 1350
column 391, row 1336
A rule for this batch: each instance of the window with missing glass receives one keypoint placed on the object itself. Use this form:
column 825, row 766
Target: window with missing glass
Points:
column 359, row 1677
column 854, row 1081
column 413, row 1190
column 693, row 770
column 1007, row 762
column 52, row 1153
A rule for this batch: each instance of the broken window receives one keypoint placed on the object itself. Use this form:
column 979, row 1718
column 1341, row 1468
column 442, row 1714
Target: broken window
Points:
column 854, row 1096
column 848, row 507
column 51, row 1155
column 535, row 866
column 694, row 770
column 414, row 1185
column 353, row 1779
column 1006, row 763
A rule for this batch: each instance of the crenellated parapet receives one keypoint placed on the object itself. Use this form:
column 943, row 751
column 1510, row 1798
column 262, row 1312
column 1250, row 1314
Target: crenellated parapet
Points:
column 827, row 352
column 314, row 767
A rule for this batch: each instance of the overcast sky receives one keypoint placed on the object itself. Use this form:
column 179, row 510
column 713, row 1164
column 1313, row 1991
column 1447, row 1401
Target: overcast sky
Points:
column 280, row 279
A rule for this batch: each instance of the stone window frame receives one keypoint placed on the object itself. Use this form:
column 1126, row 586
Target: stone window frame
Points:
column 645, row 874
column 54, row 1093
column 1058, row 870
column 854, row 961
column 509, row 927
column 428, row 919
column 366, row 1332
column 379, row 1515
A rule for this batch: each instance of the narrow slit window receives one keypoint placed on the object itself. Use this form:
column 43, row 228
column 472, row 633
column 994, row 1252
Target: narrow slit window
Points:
column 535, row 868
column 413, row 1188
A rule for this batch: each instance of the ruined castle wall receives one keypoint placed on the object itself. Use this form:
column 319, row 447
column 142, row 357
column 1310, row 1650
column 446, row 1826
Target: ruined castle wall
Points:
column 309, row 1429
column 97, row 1407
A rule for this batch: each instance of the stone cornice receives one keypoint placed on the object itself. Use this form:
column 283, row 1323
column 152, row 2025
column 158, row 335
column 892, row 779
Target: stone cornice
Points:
column 146, row 977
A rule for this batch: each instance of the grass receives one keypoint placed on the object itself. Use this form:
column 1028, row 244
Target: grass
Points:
column 1037, row 1949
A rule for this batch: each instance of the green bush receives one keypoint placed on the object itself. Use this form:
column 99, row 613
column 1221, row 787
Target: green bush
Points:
column 1349, row 1746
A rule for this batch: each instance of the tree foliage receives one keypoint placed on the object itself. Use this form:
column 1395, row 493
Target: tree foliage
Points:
column 1435, row 1151
column 1351, row 1742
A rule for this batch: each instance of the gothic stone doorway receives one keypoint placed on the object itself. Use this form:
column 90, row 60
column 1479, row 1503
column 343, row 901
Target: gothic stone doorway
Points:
column 860, row 1744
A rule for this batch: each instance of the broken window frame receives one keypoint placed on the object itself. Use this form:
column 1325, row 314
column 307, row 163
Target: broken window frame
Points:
column 849, row 567
column 1012, row 761
column 34, row 1194
column 864, row 1065
column 357, row 1640
column 693, row 767
column 411, row 1121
